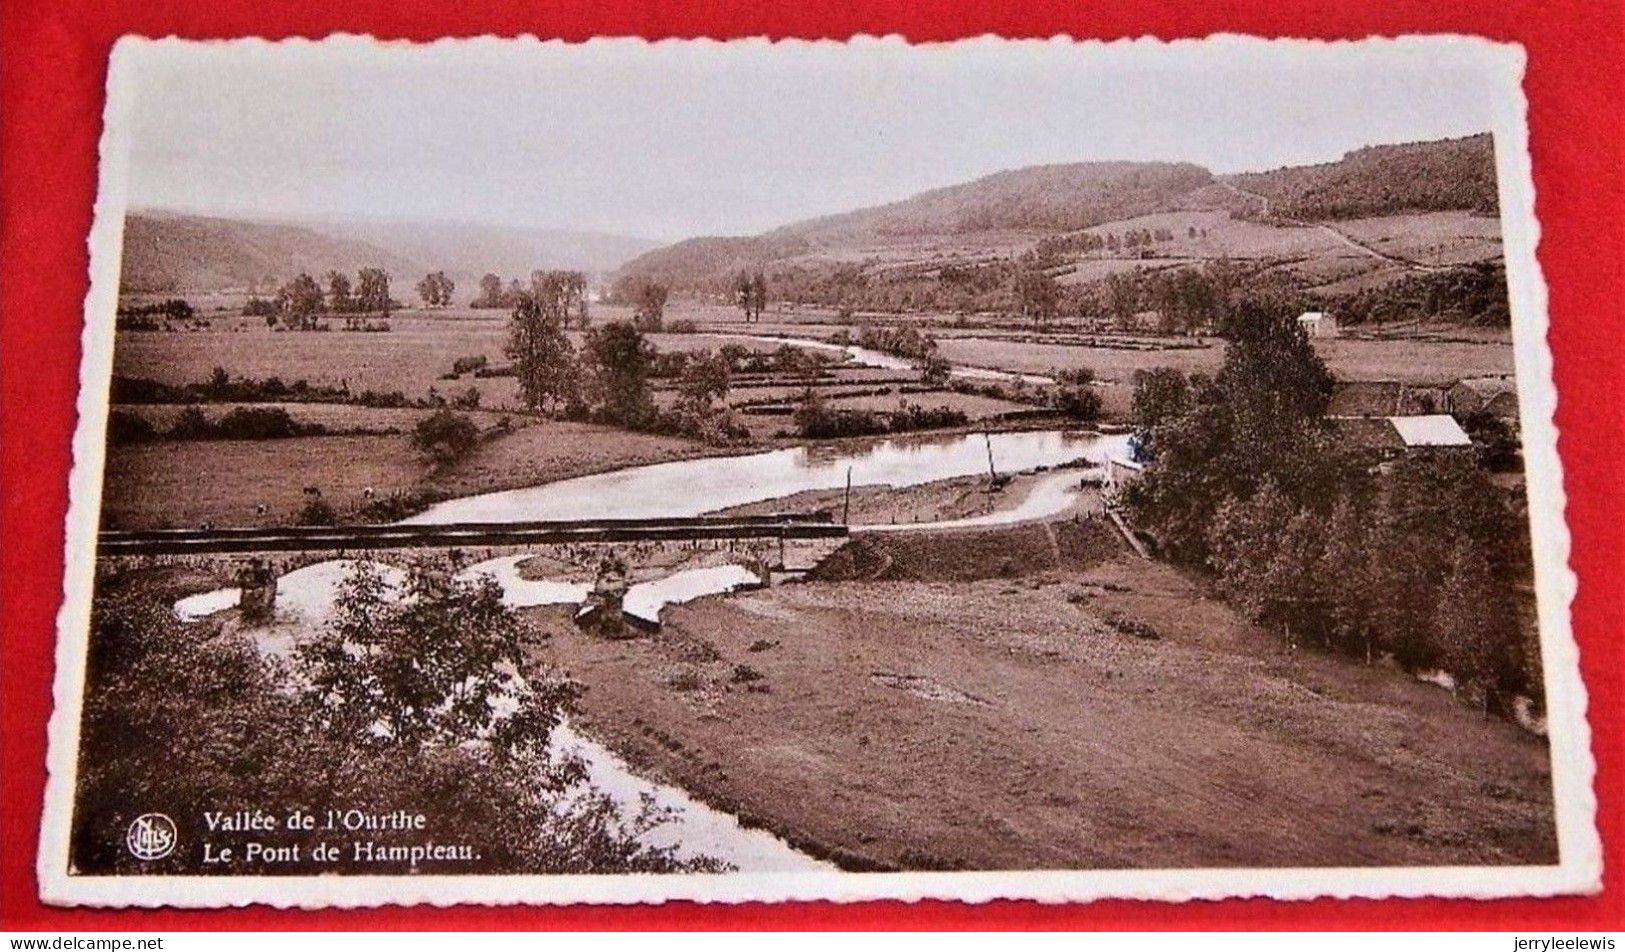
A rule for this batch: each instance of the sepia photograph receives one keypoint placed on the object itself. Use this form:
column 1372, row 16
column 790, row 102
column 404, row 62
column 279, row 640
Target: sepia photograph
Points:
column 534, row 472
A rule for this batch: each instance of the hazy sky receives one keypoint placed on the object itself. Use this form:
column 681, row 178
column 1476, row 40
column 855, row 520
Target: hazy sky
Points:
column 671, row 140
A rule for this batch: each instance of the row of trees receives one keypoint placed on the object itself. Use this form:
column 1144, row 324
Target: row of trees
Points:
column 1417, row 560
column 300, row 303
column 750, row 293
column 567, row 290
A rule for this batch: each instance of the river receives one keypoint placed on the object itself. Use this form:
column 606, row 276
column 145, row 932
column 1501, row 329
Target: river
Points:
column 867, row 357
column 689, row 488
column 697, row 486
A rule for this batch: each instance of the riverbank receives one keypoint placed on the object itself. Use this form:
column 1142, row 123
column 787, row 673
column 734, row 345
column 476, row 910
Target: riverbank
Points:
column 1035, row 702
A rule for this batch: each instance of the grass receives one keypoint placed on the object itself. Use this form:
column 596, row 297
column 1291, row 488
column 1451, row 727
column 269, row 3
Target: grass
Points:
column 181, row 484
column 411, row 358
column 1089, row 746
column 1413, row 360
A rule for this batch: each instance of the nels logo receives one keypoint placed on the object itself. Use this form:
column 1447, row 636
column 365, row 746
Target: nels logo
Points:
column 152, row 836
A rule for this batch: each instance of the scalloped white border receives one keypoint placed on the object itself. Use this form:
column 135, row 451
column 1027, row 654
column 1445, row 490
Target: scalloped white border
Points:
column 1573, row 768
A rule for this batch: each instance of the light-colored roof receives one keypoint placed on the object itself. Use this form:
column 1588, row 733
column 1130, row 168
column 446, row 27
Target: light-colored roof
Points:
column 1488, row 386
column 1437, row 429
column 1312, row 315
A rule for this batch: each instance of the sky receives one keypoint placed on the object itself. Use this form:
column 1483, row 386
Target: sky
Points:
column 671, row 140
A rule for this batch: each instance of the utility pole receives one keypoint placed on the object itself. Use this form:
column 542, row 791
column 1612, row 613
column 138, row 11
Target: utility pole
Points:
column 846, row 504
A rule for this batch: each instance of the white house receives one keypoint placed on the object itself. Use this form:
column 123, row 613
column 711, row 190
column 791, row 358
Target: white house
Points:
column 1318, row 324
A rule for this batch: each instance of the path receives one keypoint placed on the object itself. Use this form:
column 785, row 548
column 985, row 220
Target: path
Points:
column 1339, row 235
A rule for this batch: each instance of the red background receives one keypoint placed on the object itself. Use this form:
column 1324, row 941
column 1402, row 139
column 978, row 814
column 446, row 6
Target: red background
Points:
column 52, row 69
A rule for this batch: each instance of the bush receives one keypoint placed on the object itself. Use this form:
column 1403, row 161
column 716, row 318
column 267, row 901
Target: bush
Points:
column 126, row 427
column 463, row 365
column 446, row 436
column 259, row 423
column 317, row 512
column 1080, row 403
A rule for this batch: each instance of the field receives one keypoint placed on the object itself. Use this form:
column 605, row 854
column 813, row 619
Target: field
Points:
column 186, row 483
column 190, row 483
column 1411, row 360
column 946, row 719
column 410, row 358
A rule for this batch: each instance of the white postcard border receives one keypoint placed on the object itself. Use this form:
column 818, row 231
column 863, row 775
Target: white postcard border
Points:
column 1573, row 768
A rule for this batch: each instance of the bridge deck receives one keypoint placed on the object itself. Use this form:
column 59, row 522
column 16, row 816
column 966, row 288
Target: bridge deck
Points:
column 469, row 534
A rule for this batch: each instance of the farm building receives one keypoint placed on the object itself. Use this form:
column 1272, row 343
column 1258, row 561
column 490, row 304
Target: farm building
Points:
column 1384, row 398
column 1433, row 430
column 1397, row 435
column 1318, row 324
column 1497, row 396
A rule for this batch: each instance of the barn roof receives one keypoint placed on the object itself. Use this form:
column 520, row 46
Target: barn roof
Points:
column 1488, row 386
column 1437, row 429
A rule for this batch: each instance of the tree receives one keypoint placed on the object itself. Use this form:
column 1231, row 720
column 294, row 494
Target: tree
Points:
column 372, row 291
column 1161, row 394
column 435, row 289
column 621, row 360
column 758, row 293
column 702, row 393
column 1037, row 294
column 429, row 664
column 446, row 436
column 1474, row 629
column 300, row 302
column 575, row 290
column 649, row 306
column 1123, row 297
column 340, row 295
column 704, row 380
column 490, row 292
column 934, row 371
column 185, row 717
column 1261, row 417
column 750, row 293
column 544, row 359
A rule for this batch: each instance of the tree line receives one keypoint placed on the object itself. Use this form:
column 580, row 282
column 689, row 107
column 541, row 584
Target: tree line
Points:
column 300, row 303
column 567, row 289
column 1418, row 559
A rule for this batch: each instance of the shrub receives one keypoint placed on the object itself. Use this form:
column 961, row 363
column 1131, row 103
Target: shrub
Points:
column 126, row 427
column 1080, row 402
column 258, row 423
column 446, row 436
column 317, row 512
column 463, row 365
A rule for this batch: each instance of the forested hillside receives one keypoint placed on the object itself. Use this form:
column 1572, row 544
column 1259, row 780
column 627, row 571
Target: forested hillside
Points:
column 165, row 253
column 1383, row 180
column 1041, row 198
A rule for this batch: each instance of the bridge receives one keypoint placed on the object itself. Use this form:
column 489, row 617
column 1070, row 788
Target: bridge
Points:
column 779, row 527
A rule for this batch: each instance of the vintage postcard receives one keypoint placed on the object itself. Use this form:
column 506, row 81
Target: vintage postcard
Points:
column 526, row 472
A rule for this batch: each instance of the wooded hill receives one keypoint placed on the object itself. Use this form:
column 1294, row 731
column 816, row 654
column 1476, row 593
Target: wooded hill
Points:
column 167, row 252
column 1002, row 216
column 1384, row 180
